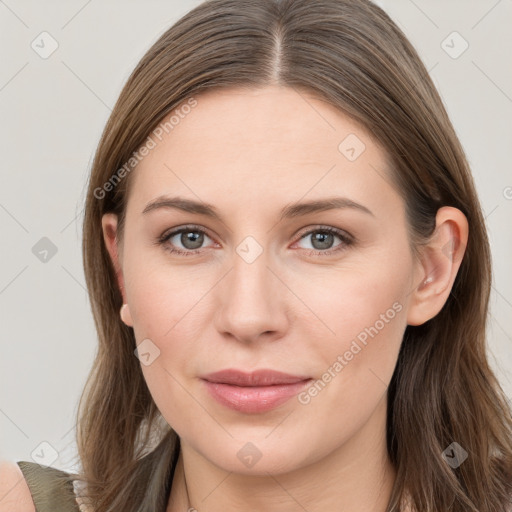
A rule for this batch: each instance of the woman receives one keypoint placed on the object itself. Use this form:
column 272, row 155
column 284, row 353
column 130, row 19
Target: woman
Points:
column 289, row 273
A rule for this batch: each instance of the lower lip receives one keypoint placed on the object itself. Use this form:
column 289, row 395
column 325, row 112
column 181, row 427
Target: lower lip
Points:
column 254, row 399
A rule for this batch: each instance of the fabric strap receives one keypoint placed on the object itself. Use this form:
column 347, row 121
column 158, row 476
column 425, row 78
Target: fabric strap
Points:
column 47, row 491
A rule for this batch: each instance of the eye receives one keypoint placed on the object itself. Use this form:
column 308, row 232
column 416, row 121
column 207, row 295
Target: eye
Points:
column 189, row 240
column 186, row 240
column 322, row 240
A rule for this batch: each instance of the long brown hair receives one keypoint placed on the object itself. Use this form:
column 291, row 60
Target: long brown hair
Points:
column 352, row 55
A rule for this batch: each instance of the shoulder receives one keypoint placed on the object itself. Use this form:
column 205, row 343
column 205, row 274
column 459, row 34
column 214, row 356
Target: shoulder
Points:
column 30, row 487
column 15, row 494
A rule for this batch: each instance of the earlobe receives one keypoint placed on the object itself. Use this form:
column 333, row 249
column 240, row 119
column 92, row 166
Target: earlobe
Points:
column 438, row 266
column 125, row 315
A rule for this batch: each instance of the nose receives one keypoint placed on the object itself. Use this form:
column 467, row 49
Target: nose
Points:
column 251, row 301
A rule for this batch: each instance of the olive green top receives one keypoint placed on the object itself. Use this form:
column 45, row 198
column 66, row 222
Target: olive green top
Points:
column 49, row 493
column 54, row 490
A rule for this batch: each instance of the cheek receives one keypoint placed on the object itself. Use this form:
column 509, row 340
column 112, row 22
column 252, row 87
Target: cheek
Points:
column 364, row 304
column 168, row 307
column 163, row 298
column 367, row 311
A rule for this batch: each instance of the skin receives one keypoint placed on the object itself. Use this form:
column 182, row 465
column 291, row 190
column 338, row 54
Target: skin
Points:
column 249, row 153
column 15, row 494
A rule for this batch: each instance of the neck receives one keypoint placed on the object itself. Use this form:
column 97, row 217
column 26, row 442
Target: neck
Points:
column 356, row 477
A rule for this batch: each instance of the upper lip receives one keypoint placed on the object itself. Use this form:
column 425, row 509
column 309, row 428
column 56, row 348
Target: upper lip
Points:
column 264, row 377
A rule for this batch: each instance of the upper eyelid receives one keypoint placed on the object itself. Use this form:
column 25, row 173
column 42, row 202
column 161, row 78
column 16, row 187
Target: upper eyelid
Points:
column 340, row 232
column 173, row 232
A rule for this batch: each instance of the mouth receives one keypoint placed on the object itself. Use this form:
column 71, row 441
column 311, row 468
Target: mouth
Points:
column 255, row 392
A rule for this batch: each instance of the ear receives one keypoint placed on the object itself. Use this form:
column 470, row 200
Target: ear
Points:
column 438, row 265
column 109, row 227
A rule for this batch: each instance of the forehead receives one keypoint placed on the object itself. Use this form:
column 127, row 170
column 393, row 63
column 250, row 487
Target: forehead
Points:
column 272, row 143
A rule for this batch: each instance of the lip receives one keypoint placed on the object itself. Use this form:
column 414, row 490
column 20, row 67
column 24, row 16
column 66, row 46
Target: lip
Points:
column 255, row 392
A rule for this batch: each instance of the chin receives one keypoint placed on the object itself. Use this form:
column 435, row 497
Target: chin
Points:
column 259, row 458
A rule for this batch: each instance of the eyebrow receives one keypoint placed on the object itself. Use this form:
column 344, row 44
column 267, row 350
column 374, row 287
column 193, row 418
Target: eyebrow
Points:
column 288, row 212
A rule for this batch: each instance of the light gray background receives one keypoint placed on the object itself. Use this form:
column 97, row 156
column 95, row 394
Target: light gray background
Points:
column 52, row 113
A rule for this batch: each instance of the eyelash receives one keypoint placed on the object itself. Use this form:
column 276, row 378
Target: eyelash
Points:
column 346, row 240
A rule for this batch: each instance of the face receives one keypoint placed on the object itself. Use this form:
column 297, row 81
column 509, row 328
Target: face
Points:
column 266, row 282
